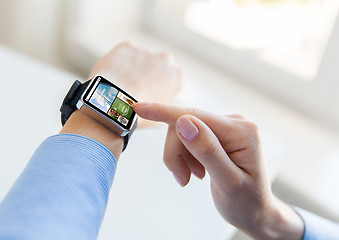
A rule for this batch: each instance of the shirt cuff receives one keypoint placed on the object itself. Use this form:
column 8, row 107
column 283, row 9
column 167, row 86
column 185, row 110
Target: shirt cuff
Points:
column 317, row 227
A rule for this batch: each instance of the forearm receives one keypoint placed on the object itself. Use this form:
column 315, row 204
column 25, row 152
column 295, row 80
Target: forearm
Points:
column 62, row 193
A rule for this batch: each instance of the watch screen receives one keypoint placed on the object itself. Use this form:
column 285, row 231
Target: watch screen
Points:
column 111, row 101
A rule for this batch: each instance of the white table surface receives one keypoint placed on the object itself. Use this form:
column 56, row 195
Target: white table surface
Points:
column 145, row 201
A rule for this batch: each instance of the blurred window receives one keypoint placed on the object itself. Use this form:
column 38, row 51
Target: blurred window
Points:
column 287, row 48
column 290, row 34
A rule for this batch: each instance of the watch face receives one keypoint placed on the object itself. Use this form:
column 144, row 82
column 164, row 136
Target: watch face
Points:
column 110, row 101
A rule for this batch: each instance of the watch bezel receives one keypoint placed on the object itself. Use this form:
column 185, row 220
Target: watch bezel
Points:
column 118, row 127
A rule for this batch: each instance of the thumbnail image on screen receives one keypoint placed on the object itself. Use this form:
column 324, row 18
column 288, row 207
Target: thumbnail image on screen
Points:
column 112, row 102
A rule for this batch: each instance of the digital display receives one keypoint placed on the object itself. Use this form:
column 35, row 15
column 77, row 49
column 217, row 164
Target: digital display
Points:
column 110, row 100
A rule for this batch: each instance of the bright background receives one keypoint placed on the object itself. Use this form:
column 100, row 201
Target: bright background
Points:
column 274, row 61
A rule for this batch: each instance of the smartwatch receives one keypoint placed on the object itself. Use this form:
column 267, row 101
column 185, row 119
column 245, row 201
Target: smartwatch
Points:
column 104, row 102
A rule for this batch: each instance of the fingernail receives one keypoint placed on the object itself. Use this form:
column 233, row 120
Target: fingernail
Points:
column 178, row 179
column 198, row 174
column 187, row 128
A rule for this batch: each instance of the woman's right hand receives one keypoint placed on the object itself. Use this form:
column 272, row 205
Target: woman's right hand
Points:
column 229, row 148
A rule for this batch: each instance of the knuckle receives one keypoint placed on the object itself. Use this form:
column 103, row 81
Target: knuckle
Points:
column 165, row 55
column 192, row 111
column 253, row 131
column 125, row 44
column 238, row 116
column 252, row 127
column 210, row 150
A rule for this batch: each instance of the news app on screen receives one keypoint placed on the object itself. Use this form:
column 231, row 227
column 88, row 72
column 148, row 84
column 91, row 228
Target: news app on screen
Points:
column 112, row 102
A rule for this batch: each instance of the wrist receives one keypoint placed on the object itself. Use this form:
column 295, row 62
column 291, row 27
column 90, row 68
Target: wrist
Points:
column 82, row 124
column 278, row 221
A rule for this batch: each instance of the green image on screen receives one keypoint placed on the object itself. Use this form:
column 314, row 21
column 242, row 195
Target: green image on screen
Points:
column 122, row 108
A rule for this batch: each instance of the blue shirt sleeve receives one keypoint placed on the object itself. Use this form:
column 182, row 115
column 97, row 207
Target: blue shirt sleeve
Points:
column 317, row 228
column 62, row 193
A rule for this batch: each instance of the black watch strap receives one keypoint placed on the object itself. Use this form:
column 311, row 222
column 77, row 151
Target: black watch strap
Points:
column 69, row 105
column 128, row 136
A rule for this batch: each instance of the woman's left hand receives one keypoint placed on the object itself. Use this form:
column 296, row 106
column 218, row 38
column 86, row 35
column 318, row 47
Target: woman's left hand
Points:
column 146, row 76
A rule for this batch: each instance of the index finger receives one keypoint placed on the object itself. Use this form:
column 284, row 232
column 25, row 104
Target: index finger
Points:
column 236, row 129
column 167, row 113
